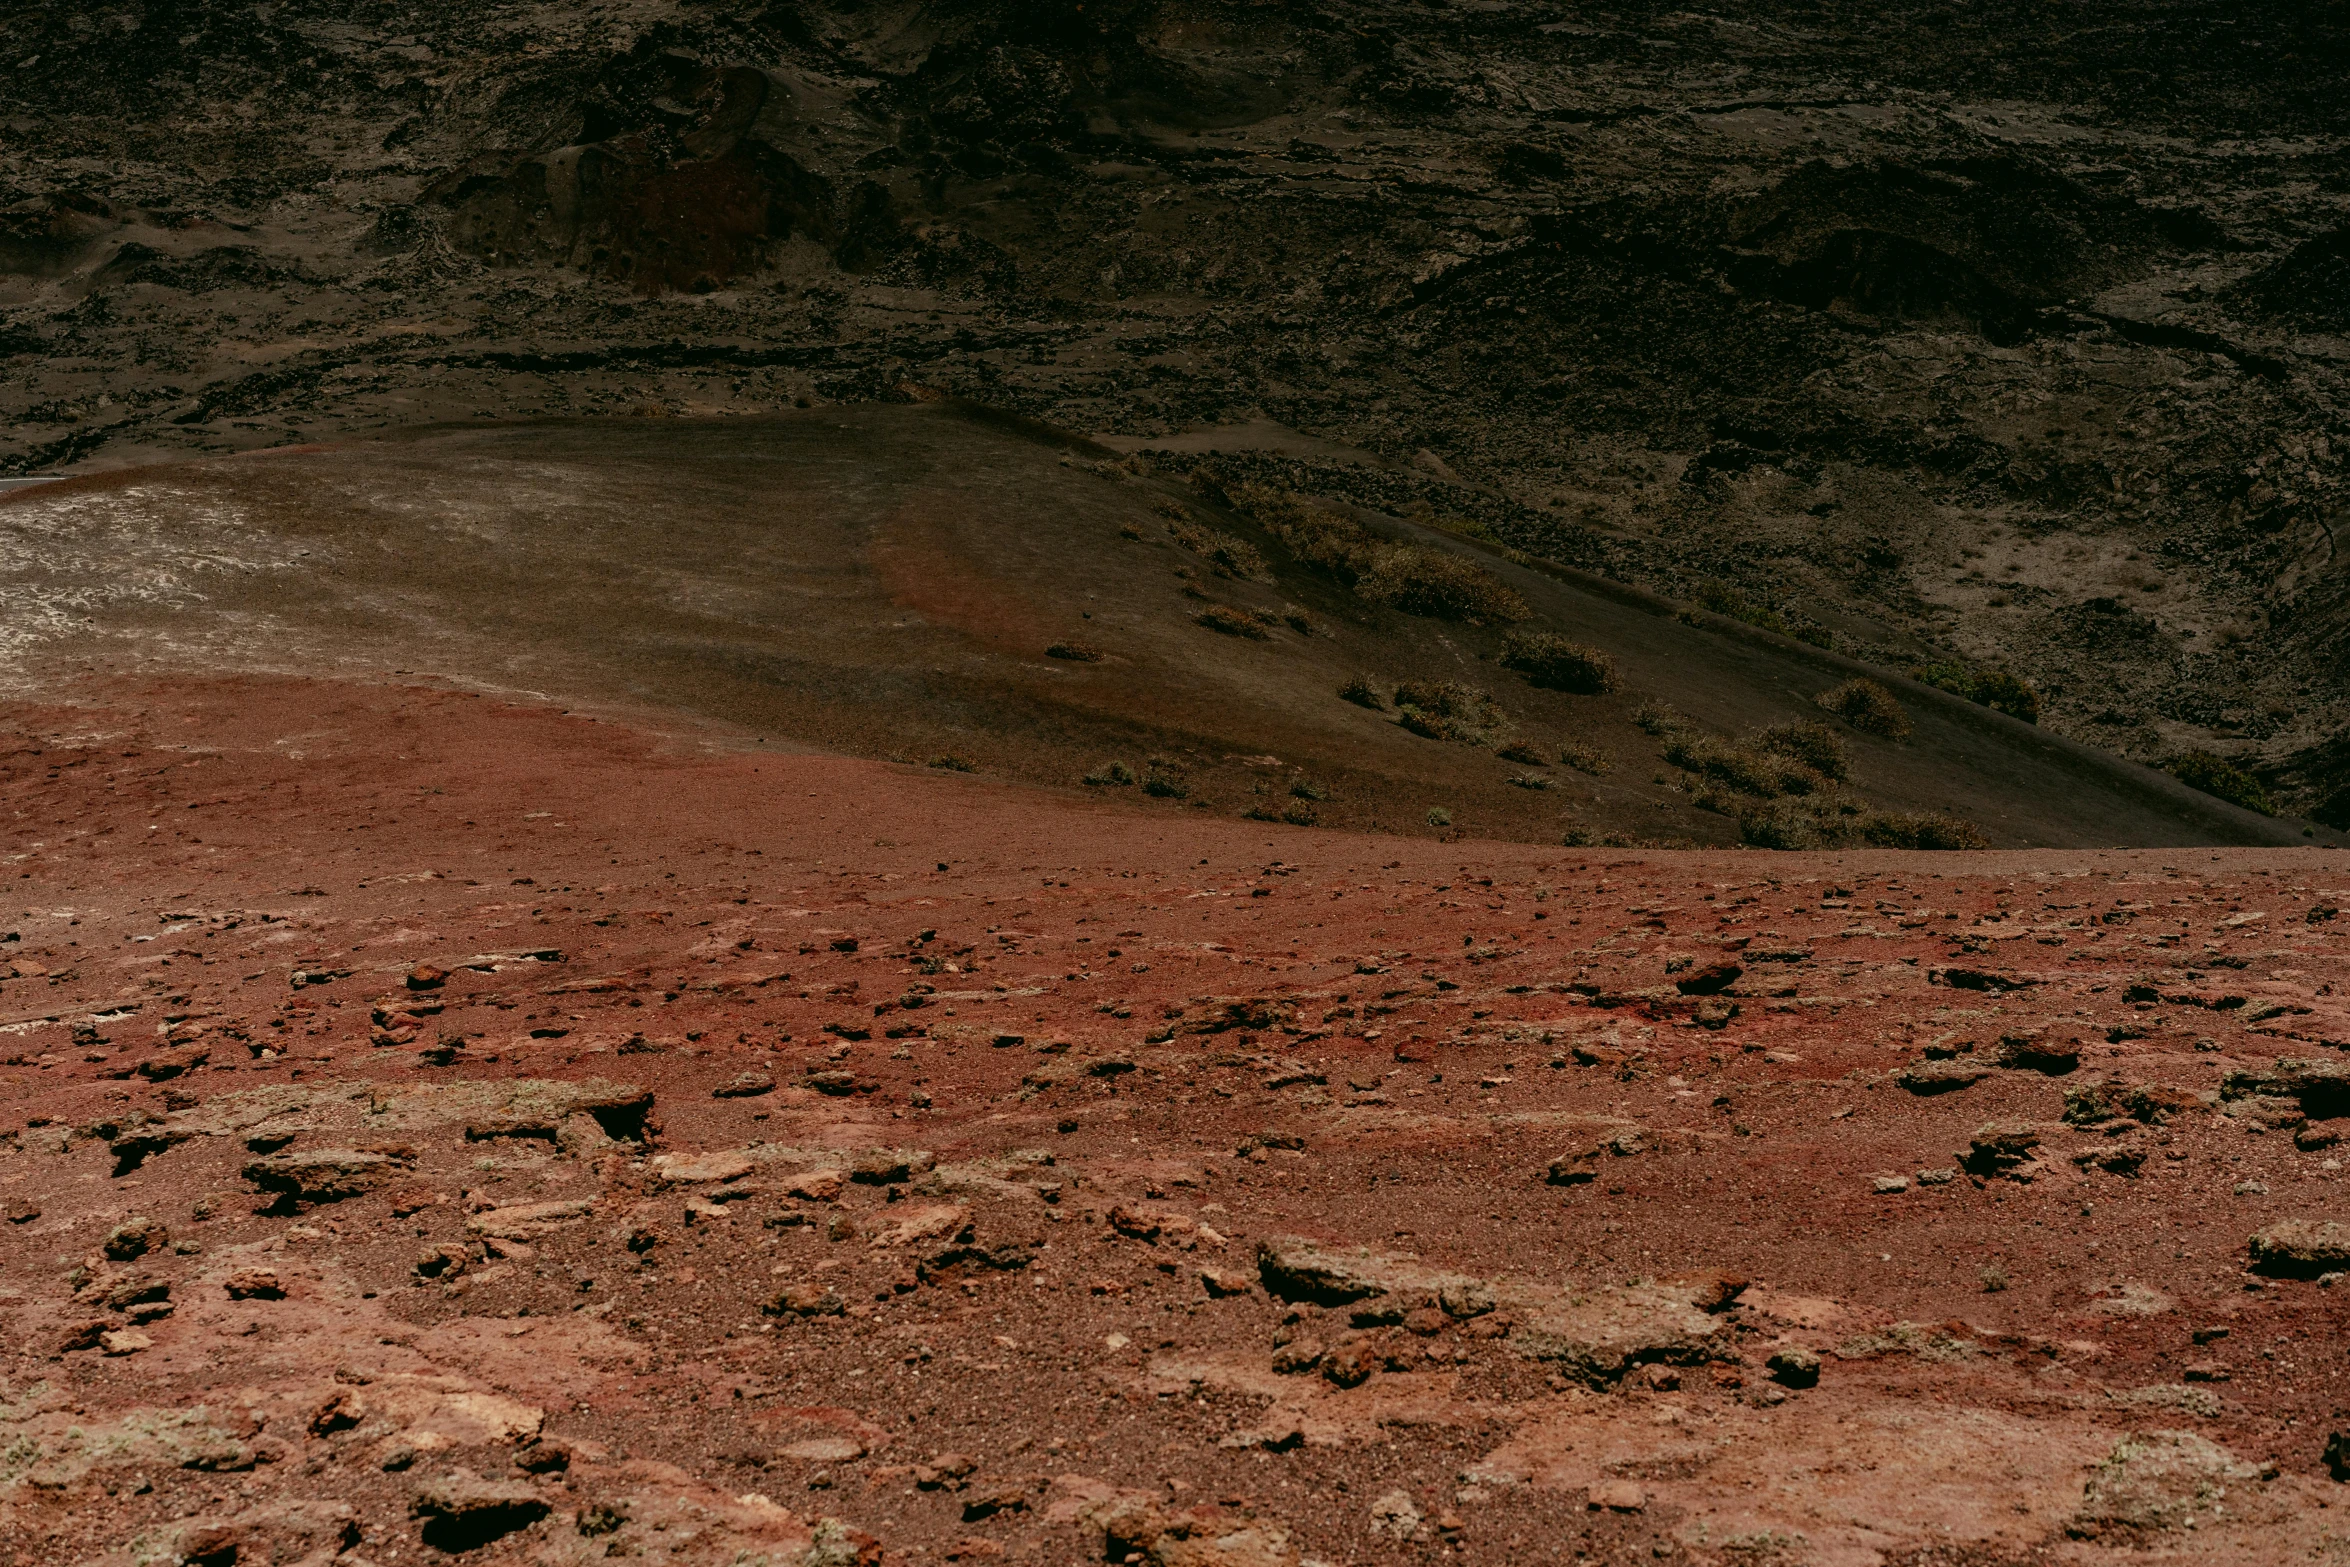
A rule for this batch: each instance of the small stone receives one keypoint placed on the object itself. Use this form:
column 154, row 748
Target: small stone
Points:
column 1350, row 1362
column 1394, row 1514
column 1887, row 1185
column 1223, row 1284
column 134, row 1238
column 1615, row 1496
column 1795, row 1366
column 18, row 1211
column 463, row 1512
column 806, row 1300
column 2206, row 1371
column 2302, row 1248
column 255, row 1284
column 748, row 1085
column 124, row 1341
column 1936, row 1177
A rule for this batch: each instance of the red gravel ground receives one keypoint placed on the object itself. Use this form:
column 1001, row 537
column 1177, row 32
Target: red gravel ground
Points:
column 1028, row 1177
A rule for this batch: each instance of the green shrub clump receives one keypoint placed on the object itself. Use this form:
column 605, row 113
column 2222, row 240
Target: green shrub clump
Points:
column 2216, row 775
column 1587, row 758
column 1362, row 693
column 1231, row 623
column 1417, row 579
column 1748, row 769
column 1814, row 745
column 1116, row 774
column 1867, row 707
column 1547, row 659
column 1230, row 556
column 1992, row 688
column 1447, row 710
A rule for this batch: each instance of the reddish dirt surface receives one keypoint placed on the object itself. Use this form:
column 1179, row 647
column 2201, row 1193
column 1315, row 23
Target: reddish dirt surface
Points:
column 1221, row 1193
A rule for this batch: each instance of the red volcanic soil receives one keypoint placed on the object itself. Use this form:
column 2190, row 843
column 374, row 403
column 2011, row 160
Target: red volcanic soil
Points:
column 435, row 1125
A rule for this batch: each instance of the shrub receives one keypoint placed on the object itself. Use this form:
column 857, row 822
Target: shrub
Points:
column 1814, row 745
column 1577, row 836
column 1298, row 620
column 1867, row 707
column 1306, row 789
column 1300, row 814
column 1447, row 710
column 1587, row 758
column 1658, row 719
column 1232, row 557
column 2216, row 775
column 1116, row 773
column 1743, row 768
column 1523, row 751
column 1075, row 652
column 1437, row 584
column 1130, row 531
column 1530, row 780
column 1362, row 693
column 1548, row 659
column 1920, row 830
column 1415, row 578
column 1230, row 622
column 1782, row 824
column 1438, row 816
column 955, row 762
column 1262, row 811
column 1992, row 688
column 1724, row 599
column 1165, row 785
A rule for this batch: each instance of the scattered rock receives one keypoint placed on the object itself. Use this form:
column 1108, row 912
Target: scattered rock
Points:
column 327, row 1175
column 747, row 1085
column 2153, row 1482
column 254, row 1284
column 702, row 1169
column 1395, row 1516
column 465, row 1512
column 2000, row 1150
column 1224, row 1284
column 1795, row 1366
column 1616, row 1496
column 1942, row 1077
column 1710, row 980
column 2302, row 1248
column 134, row 1238
column 891, row 1166
column 805, row 1300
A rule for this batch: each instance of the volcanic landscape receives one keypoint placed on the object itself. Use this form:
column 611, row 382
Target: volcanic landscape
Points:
column 1183, row 785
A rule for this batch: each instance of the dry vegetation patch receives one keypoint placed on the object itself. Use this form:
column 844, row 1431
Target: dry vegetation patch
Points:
column 1448, row 710
column 1418, row 579
column 1866, row 706
column 1547, row 659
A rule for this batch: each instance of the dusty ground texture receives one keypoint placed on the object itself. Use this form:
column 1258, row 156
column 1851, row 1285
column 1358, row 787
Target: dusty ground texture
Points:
column 440, row 1126
column 1970, row 336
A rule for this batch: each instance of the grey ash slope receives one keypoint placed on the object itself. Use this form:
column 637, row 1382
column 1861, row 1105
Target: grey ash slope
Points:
column 1943, row 333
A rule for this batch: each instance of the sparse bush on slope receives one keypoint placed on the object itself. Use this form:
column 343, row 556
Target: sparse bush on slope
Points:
column 1418, row 579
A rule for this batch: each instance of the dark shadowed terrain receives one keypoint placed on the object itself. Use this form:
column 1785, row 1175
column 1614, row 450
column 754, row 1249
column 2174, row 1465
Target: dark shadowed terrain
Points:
column 2000, row 337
